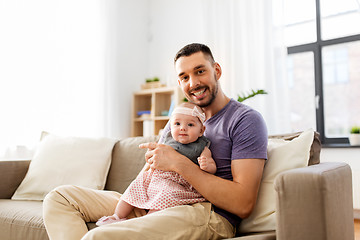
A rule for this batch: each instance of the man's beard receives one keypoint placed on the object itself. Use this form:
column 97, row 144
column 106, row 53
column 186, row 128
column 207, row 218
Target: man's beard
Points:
column 213, row 94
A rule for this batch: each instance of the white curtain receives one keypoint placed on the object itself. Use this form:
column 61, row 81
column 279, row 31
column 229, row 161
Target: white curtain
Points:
column 51, row 70
column 69, row 67
column 247, row 40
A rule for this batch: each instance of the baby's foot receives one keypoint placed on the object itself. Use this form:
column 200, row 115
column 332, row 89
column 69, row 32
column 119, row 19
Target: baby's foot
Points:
column 109, row 219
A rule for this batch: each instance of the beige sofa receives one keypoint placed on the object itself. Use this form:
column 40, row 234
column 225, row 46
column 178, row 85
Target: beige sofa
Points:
column 324, row 210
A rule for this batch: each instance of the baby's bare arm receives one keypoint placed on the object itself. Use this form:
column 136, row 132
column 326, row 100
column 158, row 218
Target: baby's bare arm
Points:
column 206, row 161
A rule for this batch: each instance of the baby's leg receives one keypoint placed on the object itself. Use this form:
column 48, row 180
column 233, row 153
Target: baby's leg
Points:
column 123, row 209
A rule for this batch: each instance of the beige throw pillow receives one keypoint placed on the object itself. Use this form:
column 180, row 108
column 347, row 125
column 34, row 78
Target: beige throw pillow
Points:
column 66, row 160
column 282, row 155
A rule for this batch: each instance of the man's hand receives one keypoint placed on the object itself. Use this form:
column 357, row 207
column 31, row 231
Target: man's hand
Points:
column 161, row 156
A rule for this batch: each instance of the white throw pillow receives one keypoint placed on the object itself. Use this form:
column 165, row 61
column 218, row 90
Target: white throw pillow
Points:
column 66, row 160
column 282, row 155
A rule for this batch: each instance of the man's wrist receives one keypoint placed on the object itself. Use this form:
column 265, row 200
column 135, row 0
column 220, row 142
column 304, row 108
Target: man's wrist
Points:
column 184, row 165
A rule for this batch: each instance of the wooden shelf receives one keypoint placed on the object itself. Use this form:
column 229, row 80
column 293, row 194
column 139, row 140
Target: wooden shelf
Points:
column 157, row 101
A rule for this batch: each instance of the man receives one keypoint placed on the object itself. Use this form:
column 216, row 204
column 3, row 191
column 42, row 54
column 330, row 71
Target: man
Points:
column 239, row 141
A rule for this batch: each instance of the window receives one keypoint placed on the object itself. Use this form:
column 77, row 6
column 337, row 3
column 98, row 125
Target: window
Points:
column 335, row 65
column 323, row 40
column 301, row 88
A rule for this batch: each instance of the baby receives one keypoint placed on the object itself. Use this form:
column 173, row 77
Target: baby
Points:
column 155, row 190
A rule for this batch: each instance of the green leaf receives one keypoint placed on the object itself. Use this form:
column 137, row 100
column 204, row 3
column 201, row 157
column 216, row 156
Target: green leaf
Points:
column 253, row 93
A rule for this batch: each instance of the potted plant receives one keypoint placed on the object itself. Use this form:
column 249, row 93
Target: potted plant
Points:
column 355, row 136
column 152, row 83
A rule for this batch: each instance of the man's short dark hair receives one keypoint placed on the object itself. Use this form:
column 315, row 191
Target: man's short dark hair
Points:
column 194, row 48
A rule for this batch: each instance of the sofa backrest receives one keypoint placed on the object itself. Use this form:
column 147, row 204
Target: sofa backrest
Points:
column 127, row 161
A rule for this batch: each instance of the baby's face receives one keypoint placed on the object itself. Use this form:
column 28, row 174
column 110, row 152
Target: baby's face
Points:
column 185, row 128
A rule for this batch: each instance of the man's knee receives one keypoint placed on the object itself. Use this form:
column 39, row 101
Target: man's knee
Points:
column 93, row 234
column 56, row 196
column 103, row 233
column 57, row 191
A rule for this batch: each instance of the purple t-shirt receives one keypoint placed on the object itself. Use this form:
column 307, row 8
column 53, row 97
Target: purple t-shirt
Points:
column 236, row 132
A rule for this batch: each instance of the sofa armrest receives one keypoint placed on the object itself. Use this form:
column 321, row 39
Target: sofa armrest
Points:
column 11, row 175
column 315, row 202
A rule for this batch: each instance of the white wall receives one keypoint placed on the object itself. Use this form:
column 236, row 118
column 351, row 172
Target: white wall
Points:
column 350, row 156
column 126, row 60
column 347, row 155
column 172, row 25
column 144, row 36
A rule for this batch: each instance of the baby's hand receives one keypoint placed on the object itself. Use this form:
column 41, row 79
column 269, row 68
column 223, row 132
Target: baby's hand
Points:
column 207, row 164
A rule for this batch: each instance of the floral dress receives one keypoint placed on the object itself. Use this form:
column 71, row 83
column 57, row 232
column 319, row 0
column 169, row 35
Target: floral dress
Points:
column 157, row 189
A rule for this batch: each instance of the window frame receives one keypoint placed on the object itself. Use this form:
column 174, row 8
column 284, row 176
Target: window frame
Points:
column 316, row 48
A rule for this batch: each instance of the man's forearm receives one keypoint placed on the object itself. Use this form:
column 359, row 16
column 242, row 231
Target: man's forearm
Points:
column 237, row 196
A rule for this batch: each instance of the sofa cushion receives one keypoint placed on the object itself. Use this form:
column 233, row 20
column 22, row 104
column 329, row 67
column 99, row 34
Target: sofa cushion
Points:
column 127, row 162
column 282, row 155
column 315, row 146
column 66, row 160
column 21, row 220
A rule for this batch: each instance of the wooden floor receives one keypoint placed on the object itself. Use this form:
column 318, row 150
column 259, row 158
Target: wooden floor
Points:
column 357, row 229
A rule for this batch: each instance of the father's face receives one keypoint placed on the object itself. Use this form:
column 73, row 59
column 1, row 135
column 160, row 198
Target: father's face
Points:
column 197, row 77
